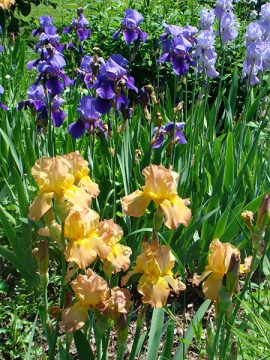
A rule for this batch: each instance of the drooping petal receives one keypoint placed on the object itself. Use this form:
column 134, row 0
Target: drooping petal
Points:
column 176, row 212
column 153, row 294
column 211, row 287
column 136, row 203
column 85, row 251
column 73, row 317
column 40, row 206
column 90, row 289
column 130, row 35
column 76, row 129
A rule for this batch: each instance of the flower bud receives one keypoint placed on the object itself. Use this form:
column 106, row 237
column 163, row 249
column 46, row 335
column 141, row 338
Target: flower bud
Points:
column 42, row 255
column 264, row 213
column 248, row 218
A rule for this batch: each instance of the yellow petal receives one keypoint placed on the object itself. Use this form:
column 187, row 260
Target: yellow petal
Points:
column 154, row 294
column 220, row 256
column 85, row 251
column 197, row 279
column 73, row 317
column 245, row 268
column 73, row 199
column 175, row 284
column 81, row 224
column 90, row 289
column 119, row 257
column 211, row 287
column 125, row 279
column 160, row 182
column 176, row 212
column 40, row 206
column 109, row 232
column 88, row 185
column 136, row 203
column 118, row 303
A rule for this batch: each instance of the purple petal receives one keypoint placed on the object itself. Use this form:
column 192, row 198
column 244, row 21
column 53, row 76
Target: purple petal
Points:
column 58, row 116
column 55, row 86
column 4, row 107
column 130, row 36
column 83, row 34
column 158, row 141
column 163, row 58
column 116, row 34
column 105, row 91
column 76, row 129
column 180, row 136
column 67, row 30
column 143, row 35
column 103, row 105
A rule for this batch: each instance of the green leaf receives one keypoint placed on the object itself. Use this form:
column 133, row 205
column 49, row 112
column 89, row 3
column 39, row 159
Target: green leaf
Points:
column 31, row 338
column 183, row 348
column 229, row 163
column 155, row 333
column 83, row 347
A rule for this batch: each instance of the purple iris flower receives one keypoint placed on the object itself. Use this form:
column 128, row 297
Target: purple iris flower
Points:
column 207, row 18
column 264, row 21
column 130, row 27
column 80, row 26
column 50, row 67
column 205, row 53
column 112, row 84
column 228, row 27
column 160, row 133
column 38, row 102
column 177, row 44
column 89, row 119
column 223, row 7
column 254, row 52
column 2, row 106
column 45, row 25
column 89, row 69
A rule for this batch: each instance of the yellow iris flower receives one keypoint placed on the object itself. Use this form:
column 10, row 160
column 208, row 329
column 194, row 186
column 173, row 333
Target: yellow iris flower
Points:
column 218, row 264
column 6, row 4
column 91, row 292
column 161, row 187
column 64, row 179
column 155, row 263
column 84, row 244
column 111, row 233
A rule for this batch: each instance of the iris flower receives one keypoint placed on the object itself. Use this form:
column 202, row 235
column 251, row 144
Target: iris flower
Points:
column 58, row 179
column 118, row 257
column 91, row 292
column 130, row 26
column 161, row 187
column 155, row 265
column 84, row 244
column 218, row 265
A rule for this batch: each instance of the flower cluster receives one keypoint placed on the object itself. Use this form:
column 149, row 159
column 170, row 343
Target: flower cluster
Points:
column 89, row 69
column 177, row 45
column 64, row 180
column 79, row 26
column 161, row 187
column 130, row 27
column 44, row 96
column 258, row 46
column 173, row 131
column 93, row 293
column 227, row 19
column 219, row 264
column 155, row 265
